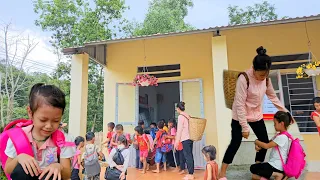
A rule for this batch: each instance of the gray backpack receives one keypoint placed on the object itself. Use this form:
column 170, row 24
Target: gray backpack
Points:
column 91, row 162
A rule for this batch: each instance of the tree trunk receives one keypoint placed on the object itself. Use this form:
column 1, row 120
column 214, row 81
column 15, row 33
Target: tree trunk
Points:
column 98, row 100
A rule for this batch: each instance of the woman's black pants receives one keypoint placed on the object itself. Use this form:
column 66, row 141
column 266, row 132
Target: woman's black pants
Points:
column 187, row 152
column 259, row 128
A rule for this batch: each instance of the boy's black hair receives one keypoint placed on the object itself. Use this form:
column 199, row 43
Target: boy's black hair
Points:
column 153, row 123
column 171, row 120
column 111, row 125
column 139, row 129
column 89, row 136
column 316, row 100
column 160, row 124
column 210, row 151
column 261, row 62
column 285, row 117
column 78, row 140
column 140, row 122
column 46, row 94
column 146, row 131
column 119, row 127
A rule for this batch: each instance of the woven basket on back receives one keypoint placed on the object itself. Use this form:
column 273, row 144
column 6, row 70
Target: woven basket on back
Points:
column 196, row 128
column 229, row 86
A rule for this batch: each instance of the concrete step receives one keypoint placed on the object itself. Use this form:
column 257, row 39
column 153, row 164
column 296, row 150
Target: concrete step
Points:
column 242, row 172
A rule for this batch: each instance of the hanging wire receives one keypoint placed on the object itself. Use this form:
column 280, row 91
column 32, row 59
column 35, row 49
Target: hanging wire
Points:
column 145, row 69
column 309, row 44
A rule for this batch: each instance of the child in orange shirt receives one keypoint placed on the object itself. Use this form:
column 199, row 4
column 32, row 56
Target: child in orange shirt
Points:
column 315, row 116
column 209, row 153
column 144, row 146
column 109, row 136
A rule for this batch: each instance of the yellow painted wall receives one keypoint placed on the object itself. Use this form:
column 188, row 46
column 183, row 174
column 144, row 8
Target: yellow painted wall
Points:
column 193, row 52
column 278, row 40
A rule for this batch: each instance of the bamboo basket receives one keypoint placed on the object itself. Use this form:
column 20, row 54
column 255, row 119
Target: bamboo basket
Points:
column 196, row 128
column 229, row 86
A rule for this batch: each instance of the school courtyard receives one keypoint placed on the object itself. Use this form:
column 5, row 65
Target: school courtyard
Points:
column 189, row 67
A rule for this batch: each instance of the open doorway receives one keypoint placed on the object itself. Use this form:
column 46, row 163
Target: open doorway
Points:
column 157, row 103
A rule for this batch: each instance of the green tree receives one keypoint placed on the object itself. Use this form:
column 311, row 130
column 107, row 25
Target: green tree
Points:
column 72, row 23
column 163, row 16
column 257, row 13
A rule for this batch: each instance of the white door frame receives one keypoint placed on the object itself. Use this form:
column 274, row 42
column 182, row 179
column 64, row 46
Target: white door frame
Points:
column 198, row 144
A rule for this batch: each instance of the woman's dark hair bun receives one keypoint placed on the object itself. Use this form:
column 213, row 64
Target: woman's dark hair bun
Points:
column 261, row 51
column 181, row 106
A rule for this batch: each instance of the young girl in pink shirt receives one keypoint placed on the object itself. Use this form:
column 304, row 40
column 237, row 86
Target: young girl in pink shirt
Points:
column 76, row 161
column 46, row 107
column 247, row 107
column 315, row 116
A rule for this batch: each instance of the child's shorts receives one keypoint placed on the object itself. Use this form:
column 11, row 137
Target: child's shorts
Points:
column 264, row 170
column 160, row 155
column 144, row 153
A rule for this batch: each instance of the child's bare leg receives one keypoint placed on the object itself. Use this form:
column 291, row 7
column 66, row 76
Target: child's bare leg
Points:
column 144, row 165
column 255, row 177
column 165, row 166
column 158, row 168
column 277, row 176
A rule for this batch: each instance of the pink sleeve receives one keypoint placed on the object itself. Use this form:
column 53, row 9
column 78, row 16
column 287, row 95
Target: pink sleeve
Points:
column 240, row 102
column 173, row 131
column 274, row 98
column 179, row 131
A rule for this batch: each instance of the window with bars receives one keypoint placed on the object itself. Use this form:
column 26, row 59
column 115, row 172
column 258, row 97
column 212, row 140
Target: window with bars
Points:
column 297, row 97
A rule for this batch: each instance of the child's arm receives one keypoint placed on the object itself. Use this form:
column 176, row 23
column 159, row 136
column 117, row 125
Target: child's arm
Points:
column 66, row 168
column 316, row 119
column 263, row 145
column 113, row 143
column 106, row 141
column 209, row 170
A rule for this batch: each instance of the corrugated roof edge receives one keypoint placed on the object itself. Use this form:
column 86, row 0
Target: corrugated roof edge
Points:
column 210, row 29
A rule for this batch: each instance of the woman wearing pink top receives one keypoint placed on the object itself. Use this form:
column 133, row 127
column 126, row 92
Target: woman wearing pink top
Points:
column 247, row 107
column 183, row 136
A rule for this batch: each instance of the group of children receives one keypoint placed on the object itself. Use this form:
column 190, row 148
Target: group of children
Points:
column 47, row 158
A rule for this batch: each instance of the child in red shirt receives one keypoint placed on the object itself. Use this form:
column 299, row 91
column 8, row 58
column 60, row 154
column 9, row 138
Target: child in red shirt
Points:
column 315, row 116
column 109, row 136
column 144, row 146
column 209, row 153
column 160, row 156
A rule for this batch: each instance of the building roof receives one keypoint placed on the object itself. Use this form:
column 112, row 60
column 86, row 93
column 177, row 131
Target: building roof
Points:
column 210, row 29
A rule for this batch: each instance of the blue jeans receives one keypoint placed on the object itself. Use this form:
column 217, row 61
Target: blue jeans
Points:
column 160, row 156
column 138, row 162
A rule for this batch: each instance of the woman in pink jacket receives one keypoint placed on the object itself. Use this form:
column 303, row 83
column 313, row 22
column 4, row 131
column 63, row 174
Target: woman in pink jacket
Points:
column 183, row 136
column 247, row 107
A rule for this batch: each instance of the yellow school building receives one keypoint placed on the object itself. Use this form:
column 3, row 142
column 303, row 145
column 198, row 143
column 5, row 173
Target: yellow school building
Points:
column 189, row 66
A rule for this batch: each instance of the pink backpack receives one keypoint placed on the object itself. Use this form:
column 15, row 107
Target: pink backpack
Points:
column 296, row 158
column 149, row 137
column 21, row 141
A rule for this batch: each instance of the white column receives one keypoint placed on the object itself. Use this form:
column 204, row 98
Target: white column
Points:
column 78, row 95
column 222, row 114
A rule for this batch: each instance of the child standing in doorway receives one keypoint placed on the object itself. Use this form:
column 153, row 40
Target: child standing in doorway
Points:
column 160, row 156
column 144, row 146
column 209, row 153
column 315, row 116
column 109, row 136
